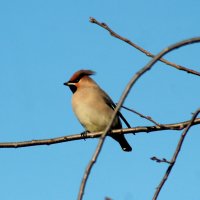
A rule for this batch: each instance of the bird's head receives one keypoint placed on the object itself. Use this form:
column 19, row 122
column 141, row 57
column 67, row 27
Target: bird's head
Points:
column 79, row 79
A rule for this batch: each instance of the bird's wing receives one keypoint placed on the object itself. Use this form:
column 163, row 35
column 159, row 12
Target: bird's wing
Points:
column 121, row 116
column 111, row 104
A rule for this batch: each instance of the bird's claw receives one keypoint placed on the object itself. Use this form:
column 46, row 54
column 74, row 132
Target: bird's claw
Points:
column 84, row 134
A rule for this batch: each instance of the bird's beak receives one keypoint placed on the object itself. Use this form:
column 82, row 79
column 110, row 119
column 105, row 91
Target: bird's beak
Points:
column 68, row 83
column 71, row 85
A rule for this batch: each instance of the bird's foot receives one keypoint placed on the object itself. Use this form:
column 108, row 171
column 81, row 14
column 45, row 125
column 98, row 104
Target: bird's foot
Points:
column 84, row 134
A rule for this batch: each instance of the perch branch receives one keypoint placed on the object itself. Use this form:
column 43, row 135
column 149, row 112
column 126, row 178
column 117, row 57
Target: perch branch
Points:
column 137, row 130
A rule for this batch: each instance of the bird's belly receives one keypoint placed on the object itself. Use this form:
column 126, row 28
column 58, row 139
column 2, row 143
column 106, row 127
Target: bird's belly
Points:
column 91, row 117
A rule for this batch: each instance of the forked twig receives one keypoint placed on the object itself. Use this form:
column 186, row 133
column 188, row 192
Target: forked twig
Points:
column 176, row 153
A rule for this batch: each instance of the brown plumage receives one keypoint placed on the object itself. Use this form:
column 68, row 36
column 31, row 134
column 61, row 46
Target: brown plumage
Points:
column 93, row 107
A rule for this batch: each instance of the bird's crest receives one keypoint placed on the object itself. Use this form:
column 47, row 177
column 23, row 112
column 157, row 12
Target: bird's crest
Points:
column 79, row 74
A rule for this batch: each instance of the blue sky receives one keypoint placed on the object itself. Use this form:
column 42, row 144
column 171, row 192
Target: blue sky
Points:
column 42, row 44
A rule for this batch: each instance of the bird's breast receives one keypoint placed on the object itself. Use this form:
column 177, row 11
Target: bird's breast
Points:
column 92, row 111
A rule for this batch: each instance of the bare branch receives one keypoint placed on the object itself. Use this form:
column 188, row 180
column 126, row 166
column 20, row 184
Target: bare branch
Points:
column 149, row 54
column 137, row 130
column 121, row 101
column 173, row 160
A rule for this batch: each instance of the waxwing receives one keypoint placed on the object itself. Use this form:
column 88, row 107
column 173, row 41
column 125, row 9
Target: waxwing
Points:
column 93, row 107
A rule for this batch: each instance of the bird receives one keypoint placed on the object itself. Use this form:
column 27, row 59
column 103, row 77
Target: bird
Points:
column 93, row 107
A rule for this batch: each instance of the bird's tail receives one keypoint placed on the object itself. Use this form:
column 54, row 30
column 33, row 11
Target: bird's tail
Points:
column 123, row 142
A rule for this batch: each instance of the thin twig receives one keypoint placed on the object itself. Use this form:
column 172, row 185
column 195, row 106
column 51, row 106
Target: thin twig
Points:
column 121, row 101
column 149, row 54
column 176, row 153
column 143, row 116
column 137, row 130
column 164, row 160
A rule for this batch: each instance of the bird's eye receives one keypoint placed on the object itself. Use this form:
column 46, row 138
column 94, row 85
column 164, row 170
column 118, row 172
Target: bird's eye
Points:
column 77, row 80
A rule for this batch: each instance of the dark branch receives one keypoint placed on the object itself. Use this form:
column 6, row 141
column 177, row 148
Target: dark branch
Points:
column 121, row 101
column 176, row 153
column 114, row 34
